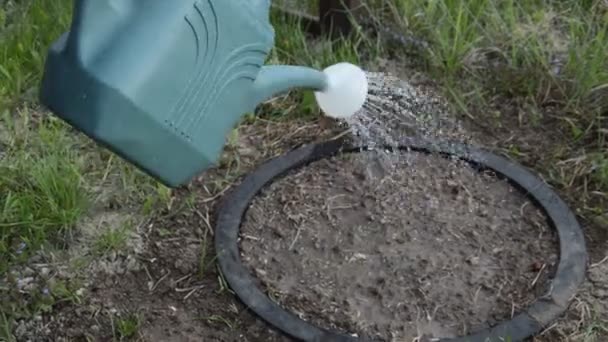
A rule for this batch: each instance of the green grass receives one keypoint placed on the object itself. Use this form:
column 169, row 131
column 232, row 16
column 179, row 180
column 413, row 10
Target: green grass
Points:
column 42, row 190
column 127, row 328
column 516, row 43
column 217, row 319
column 6, row 328
column 114, row 239
column 532, row 51
column 62, row 291
column 47, row 170
column 26, row 31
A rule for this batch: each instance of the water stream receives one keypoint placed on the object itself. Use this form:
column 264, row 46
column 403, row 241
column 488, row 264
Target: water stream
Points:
column 395, row 110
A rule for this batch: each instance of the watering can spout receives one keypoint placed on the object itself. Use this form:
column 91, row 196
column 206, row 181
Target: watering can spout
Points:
column 340, row 90
column 276, row 79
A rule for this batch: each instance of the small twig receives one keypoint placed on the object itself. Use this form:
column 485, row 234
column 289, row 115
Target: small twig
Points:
column 521, row 210
column 328, row 206
column 189, row 294
column 186, row 289
column 476, row 296
column 159, row 281
column 420, row 334
column 576, row 160
column 598, row 193
column 499, row 292
column 193, row 291
column 599, row 262
column 249, row 237
column 542, row 268
column 342, row 207
column 548, row 329
column 112, row 326
column 512, row 309
column 148, row 273
column 180, row 239
column 205, row 219
column 50, row 264
column 108, row 168
column 218, row 195
column 458, row 236
column 340, row 135
column 183, row 278
column 296, row 237
column 466, row 189
column 283, row 138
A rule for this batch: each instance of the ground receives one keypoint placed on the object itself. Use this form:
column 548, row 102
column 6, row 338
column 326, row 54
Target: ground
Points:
column 92, row 249
column 398, row 246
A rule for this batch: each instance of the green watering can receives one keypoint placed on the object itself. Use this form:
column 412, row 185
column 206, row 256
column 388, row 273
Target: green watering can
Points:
column 161, row 83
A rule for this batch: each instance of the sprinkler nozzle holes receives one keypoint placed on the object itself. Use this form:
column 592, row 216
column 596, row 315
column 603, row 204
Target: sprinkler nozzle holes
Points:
column 346, row 91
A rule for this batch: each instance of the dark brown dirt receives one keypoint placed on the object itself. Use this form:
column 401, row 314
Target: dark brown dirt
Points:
column 398, row 246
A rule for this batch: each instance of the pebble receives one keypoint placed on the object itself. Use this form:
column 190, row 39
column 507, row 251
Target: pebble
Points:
column 24, row 282
column 36, row 259
column 597, row 276
column 28, row 272
column 132, row 264
column 261, row 272
column 600, row 293
column 45, row 271
column 473, row 261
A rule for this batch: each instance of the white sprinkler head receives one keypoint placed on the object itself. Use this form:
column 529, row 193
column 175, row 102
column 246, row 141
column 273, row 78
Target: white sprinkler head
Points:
column 346, row 91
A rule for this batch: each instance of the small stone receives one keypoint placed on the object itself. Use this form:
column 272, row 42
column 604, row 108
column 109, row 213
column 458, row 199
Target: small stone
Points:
column 133, row 265
column 261, row 272
column 22, row 283
column 474, row 261
column 27, row 272
column 36, row 259
column 45, row 271
column 597, row 276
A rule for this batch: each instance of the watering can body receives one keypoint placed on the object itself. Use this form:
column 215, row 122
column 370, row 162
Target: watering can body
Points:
column 161, row 83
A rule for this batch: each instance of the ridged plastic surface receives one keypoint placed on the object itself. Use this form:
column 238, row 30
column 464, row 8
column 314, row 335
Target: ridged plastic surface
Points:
column 161, row 83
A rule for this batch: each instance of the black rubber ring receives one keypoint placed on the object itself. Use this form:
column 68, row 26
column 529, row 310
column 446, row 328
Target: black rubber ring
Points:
column 568, row 277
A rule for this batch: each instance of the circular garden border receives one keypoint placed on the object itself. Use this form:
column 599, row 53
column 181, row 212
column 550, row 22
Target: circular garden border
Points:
column 569, row 275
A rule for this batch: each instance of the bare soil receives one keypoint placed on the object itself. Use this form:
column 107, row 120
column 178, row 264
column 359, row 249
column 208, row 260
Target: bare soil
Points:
column 398, row 246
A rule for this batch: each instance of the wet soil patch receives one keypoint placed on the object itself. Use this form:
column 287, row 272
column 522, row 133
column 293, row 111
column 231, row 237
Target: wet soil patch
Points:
column 398, row 246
